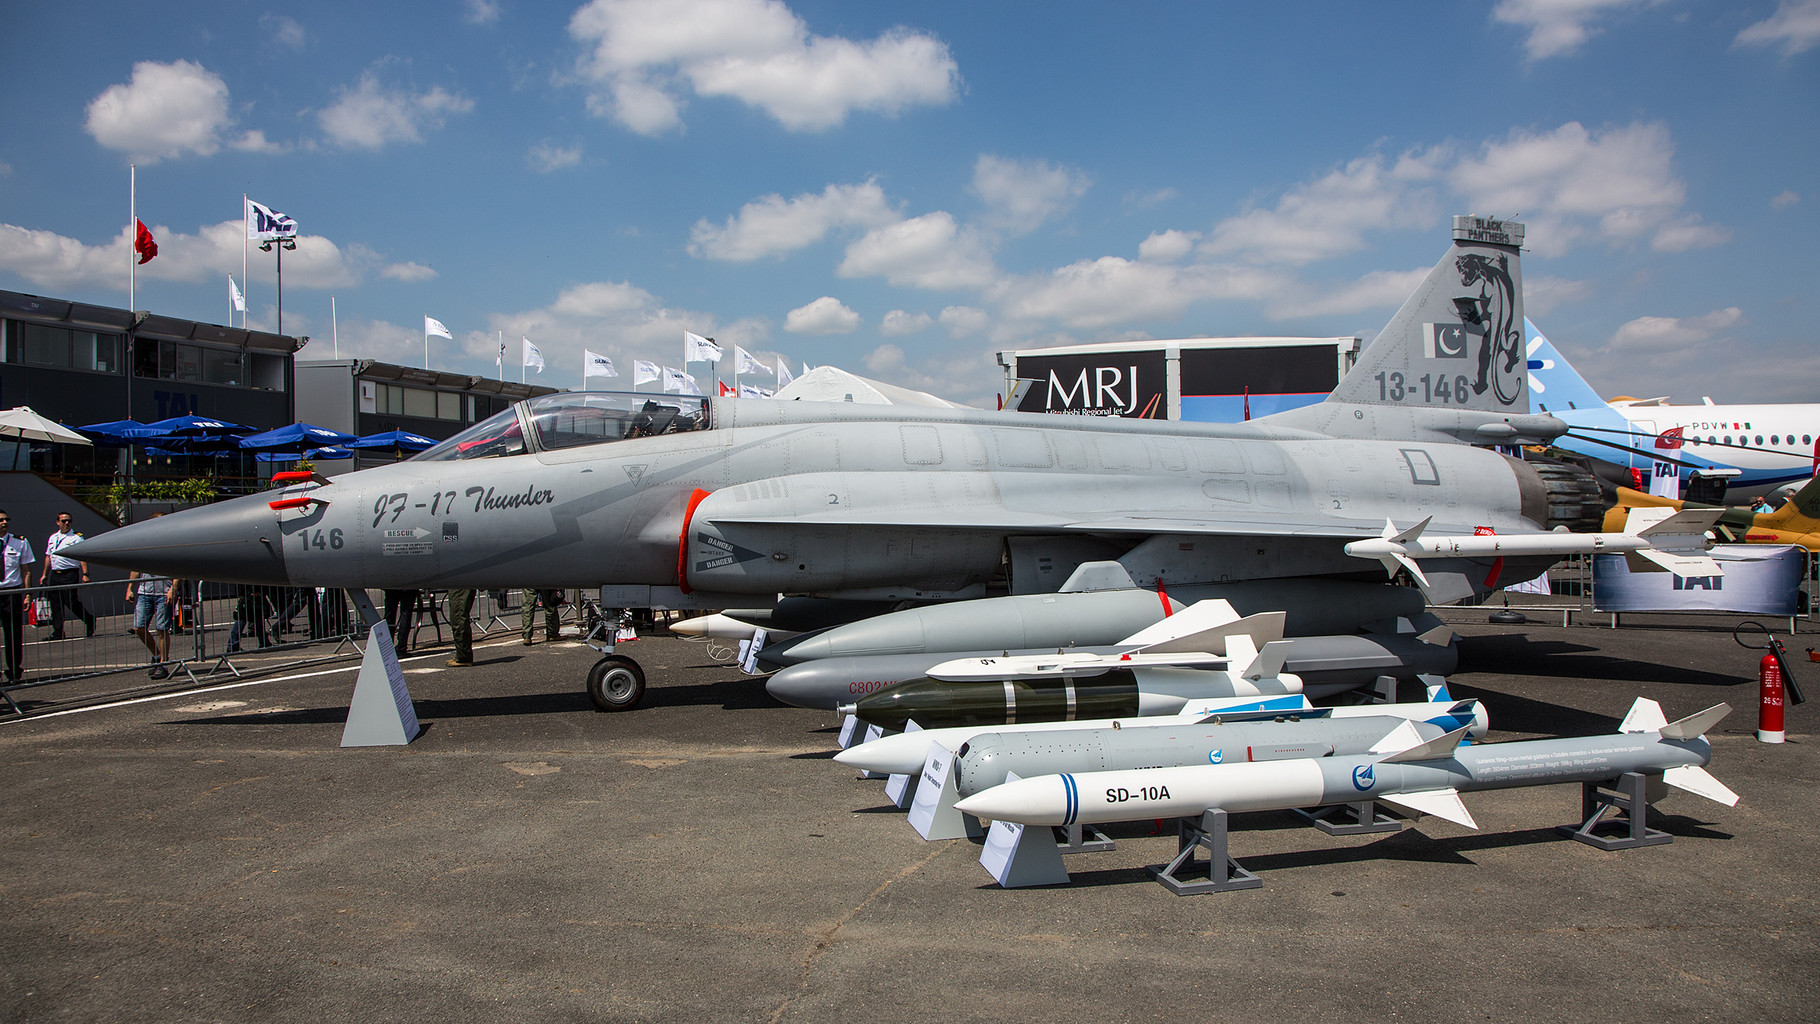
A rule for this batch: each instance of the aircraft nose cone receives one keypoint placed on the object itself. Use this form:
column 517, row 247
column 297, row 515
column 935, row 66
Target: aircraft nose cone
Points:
column 233, row 541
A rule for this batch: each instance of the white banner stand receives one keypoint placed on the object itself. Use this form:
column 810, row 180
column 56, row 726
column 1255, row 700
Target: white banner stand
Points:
column 932, row 813
column 381, row 713
column 1020, row 856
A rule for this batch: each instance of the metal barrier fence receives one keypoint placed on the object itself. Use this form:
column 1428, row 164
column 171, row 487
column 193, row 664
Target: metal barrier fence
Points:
column 87, row 632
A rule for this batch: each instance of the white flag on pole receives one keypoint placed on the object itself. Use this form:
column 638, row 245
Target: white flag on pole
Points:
column 500, row 360
column 644, row 372
column 744, row 363
column 679, row 380
column 593, row 364
column 234, row 296
column 697, row 349
column 754, row 391
column 264, row 224
column 783, row 372
column 533, row 357
column 433, row 327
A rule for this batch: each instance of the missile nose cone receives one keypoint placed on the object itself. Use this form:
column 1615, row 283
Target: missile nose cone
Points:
column 229, row 542
column 803, row 686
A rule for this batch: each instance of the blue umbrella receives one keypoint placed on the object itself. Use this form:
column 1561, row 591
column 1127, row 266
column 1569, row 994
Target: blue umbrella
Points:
column 324, row 453
column 399, row 440
column 117, row 432
column 191, row 425
column 295, row 437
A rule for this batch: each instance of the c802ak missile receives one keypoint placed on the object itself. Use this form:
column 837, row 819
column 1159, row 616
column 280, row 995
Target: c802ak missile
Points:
column 984, row 760
column 905, row 753
column 1425, row 777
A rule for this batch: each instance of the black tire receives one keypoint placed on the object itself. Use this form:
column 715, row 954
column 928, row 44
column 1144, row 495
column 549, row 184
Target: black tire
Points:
column 616, row 683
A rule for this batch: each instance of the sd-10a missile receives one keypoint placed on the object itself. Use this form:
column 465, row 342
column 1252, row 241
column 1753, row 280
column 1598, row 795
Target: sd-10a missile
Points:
column 1424, row 777
column 904, row 753
column 1325, row 664
column 985, row 760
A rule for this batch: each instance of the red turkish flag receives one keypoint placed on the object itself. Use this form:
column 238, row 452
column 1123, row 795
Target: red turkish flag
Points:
column 1671, row 438
column 144, row 245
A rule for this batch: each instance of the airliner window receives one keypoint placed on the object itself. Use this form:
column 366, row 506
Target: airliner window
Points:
column 496, row 436
column 597, row 417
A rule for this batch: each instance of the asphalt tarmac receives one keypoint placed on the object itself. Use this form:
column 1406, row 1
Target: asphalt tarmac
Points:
column 216, row 856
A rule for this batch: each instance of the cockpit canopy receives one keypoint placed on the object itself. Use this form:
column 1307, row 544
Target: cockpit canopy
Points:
column 570, row 421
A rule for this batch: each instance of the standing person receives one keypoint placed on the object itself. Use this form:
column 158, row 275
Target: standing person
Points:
column 461, row 625
column 65, row 572
column 249, row 610
column 15, row 555
column 401, row 618
column 552, row 619
column 151, row 598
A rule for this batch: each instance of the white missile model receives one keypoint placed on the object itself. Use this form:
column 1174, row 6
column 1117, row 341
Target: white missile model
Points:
column 1203, row 652
column 904, row 753
column 1663, row 540
column 1424, row 777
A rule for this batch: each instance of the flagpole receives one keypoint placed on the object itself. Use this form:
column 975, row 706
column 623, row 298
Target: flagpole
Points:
column 334, row 327
column 132, row 227
column 246, row 285
column 502, row 355
column 426, row 341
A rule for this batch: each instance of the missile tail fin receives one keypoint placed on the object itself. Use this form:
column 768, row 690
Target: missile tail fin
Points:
column 1433, row 750
column 1436, row 686
column 1645, row 716
column 1700, row 782
column 1696, row 724
column 1442, row 803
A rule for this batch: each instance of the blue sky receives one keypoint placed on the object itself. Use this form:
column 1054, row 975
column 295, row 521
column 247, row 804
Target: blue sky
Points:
column 904, row 189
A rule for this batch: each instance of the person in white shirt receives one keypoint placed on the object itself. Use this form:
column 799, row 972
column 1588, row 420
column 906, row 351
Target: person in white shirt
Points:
column 15, row 555
column 64, row 572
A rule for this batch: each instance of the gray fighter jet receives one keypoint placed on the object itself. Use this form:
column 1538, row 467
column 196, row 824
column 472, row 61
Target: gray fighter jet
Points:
column 708, row 502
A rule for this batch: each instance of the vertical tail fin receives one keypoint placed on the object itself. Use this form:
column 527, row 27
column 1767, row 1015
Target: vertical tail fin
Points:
column 1800, row 513
column 1458, row 342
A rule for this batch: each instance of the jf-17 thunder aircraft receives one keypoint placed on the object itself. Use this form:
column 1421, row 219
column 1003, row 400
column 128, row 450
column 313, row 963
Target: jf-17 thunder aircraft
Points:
column 686, row 502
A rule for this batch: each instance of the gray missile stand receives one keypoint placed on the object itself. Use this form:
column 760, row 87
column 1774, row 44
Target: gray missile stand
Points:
column 1365, row 819
column 1223, row 873
column 381, row 712
column 1082, row 839
column 1628, row 795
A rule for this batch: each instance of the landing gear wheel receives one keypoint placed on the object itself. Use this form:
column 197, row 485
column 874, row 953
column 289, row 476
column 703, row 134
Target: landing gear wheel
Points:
column 616, row 683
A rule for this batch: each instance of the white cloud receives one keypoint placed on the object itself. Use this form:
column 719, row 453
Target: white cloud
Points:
column 604, row 299
column 773, row 225
column 930, row 251
column 1543, row 294
column 1617, row 186
column 1556, row 27
column 479, row 12
column 408, row 271
column 1167, row 246
column 548, row 156
column 1021, row 194
column 165, row 111
column 1795, row 25
column 1378, row 289
column 1687, row 232
column 826, row 315
column 962, row 321
column 1664, row 335
column 1786, row 198
column 58, row 263
column 643, row 54
column 1329, row 216
column 369, row 115
column 1096, row 294
column 898, row 323
column 286, row 32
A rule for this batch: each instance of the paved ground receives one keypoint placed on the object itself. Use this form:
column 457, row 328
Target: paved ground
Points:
column 217, row 857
